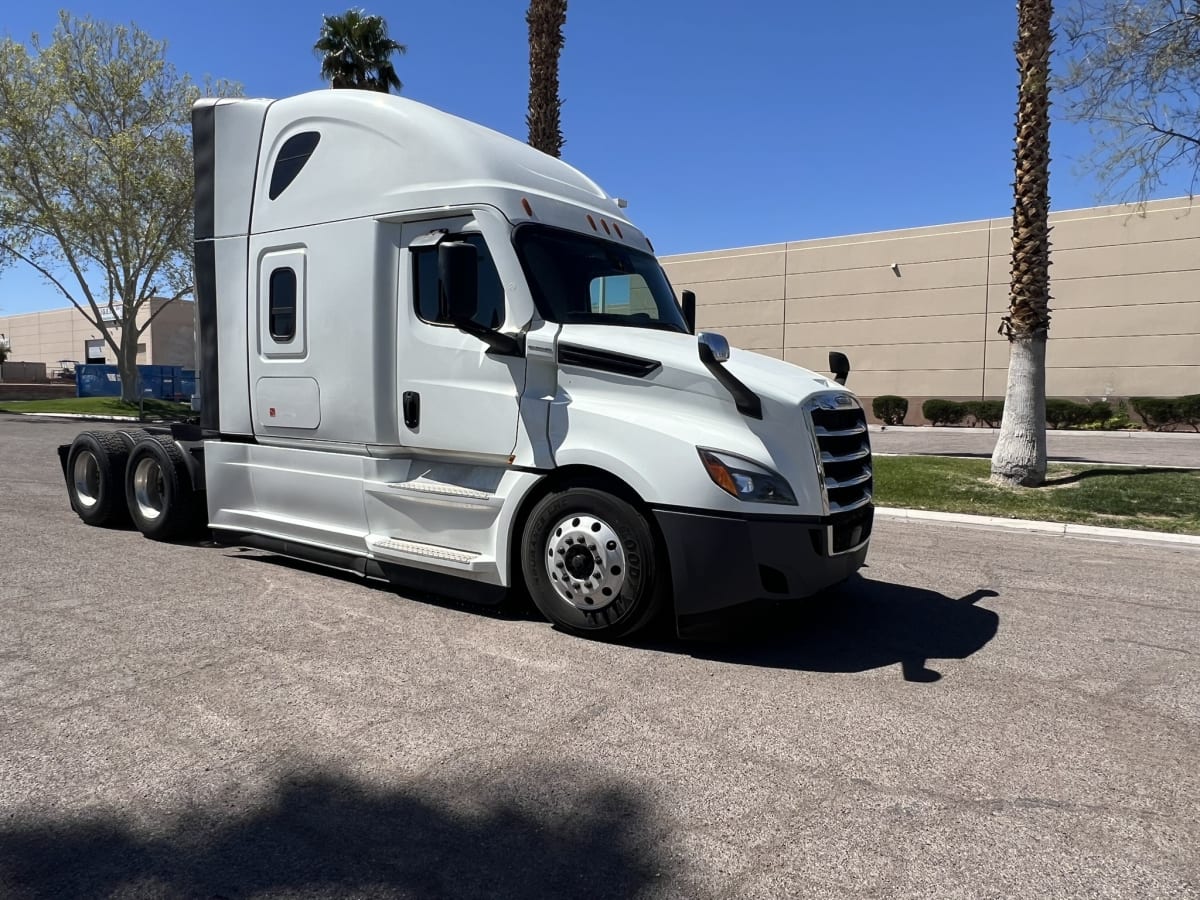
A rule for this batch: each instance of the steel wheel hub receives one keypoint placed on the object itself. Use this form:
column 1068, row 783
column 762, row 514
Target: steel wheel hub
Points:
column 586, row 562
column 148, row 488
column 86, row 475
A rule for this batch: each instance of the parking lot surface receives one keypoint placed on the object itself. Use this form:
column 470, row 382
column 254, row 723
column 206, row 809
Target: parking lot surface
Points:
column 981, row 714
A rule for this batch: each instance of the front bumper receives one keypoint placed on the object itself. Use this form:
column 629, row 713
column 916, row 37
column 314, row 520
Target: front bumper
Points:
column 721, row 561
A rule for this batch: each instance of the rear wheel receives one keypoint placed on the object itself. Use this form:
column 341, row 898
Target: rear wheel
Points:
column 591, row 563
column 95, row 478
column 158, row 489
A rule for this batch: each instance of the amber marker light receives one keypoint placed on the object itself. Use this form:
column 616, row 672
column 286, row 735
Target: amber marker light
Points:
column 618, row 228
column 592, row 222
column 718, row 473
column 525, row 206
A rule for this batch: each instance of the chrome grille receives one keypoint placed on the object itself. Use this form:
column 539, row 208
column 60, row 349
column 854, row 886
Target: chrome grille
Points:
column 840, row 438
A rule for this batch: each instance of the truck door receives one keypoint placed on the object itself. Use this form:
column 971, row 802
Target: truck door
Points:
column 455, row 396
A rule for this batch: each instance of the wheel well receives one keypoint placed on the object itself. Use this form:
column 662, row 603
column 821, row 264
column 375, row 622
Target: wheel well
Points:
column 561, row 479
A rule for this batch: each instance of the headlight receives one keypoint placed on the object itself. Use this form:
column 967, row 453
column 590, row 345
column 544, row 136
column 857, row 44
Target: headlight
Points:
column 744, row 479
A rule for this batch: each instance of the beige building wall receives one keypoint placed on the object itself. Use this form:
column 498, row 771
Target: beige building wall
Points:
column 59, row 334
column 917, row 310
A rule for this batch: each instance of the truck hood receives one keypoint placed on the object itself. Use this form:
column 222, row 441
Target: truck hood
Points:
column 680, row 367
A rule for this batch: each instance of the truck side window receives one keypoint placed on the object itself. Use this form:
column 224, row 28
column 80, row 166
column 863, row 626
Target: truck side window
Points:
column 294, row 153
column 426, row 285
column 282, row 310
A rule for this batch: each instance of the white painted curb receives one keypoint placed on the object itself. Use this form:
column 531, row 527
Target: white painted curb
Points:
column 1063, row 528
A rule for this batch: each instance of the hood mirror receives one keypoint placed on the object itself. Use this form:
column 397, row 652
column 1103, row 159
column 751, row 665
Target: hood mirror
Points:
column 689, row 309
column 839, row 365
column 713, row 347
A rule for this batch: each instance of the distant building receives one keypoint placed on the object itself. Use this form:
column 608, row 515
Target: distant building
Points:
column 64, row 334
column 917, row 310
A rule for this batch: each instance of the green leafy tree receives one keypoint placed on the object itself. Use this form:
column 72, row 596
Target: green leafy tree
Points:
column 1132, row 73
column 1020, row 454
column 546, row 19
column 96, row 174
column 356, row 52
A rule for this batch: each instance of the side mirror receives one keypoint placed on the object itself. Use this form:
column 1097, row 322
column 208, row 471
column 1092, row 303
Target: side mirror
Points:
column 689, row 309
column 458, row 271
column 839, row 365
column 714, row 348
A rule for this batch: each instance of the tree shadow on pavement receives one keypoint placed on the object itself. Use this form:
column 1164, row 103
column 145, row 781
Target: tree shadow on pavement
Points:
column 857, row 626
column 329, row 835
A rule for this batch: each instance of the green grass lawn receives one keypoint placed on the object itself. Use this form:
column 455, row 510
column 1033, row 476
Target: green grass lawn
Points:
column 98, row 406
column 1081, row 493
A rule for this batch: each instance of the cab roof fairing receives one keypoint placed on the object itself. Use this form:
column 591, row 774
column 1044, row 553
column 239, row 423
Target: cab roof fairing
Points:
column 380, row 154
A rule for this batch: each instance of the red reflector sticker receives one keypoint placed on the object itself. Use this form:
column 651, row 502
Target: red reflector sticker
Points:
column 271, row 413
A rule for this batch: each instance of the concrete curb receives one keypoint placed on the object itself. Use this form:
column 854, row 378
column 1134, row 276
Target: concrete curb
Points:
column 1059, row 528
column 945, row 429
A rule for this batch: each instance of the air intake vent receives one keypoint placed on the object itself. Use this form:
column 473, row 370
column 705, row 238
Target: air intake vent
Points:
column 605, row 360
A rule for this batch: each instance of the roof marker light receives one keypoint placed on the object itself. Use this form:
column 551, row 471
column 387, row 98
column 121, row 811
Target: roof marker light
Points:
column 618, row 228
column 592, row 222
column 525, row 206
column 606, row 228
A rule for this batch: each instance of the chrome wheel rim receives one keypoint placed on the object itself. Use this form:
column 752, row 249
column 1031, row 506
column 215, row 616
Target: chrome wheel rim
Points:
column 148, row 488
column 586, row 561
column 86, row 475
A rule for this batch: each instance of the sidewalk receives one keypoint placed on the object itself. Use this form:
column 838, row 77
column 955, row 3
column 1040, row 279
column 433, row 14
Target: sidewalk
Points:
column 1131, row 448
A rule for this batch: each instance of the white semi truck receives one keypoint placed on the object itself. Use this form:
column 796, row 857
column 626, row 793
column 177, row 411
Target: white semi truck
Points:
column 427, row 349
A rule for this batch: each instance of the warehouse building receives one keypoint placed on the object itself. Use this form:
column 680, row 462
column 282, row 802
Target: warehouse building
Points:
column 917, row 310
column 55, row 336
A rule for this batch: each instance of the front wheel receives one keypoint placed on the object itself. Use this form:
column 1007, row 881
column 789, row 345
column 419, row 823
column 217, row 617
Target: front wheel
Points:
column 591, row 563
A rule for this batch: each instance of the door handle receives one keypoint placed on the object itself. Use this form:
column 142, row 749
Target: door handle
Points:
column 412, row 409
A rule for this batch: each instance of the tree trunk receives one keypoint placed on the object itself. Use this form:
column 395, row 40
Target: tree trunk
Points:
column 1020, row 454
column 545, row 19
column 131, row 382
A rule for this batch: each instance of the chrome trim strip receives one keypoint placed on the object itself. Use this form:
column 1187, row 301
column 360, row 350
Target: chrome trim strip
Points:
column 822, row 431
column 857, row 504
column 860, row 453
column 849, row 482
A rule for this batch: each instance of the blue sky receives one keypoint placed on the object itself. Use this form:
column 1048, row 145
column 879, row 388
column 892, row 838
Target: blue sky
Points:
column 723, row 124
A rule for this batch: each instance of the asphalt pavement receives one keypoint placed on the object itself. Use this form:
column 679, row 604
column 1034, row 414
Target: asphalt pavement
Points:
column 1176, row 449
column 981, row 714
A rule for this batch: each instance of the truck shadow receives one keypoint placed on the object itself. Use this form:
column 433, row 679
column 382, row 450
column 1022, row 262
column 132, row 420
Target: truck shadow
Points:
column 858, row 626
column 329, row 835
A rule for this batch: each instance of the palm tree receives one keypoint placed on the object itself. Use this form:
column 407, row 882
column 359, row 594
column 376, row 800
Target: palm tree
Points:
column 356, row 52
column 1020, row 454
column 545, row 19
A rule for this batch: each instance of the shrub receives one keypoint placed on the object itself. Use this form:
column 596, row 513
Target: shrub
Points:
column 1189, row 411
column 985, row 412
column 1069, row 414
column 1160, row 413
column 943, row 412
column 890, row 409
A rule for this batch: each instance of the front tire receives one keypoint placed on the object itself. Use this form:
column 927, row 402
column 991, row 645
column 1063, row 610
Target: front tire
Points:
column 158, row 490
column 96, row 478
column 592, row 564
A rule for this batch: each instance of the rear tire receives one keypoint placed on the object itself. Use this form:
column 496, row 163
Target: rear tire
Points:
column 158, row 490
column 592, row 564
column 96, row 478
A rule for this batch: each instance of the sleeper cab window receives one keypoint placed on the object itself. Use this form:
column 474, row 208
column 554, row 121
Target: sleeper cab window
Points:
column 282, row 308
column 294, row 153
column 489, row 313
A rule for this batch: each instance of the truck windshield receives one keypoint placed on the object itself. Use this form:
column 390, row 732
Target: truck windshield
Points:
column 576, row 278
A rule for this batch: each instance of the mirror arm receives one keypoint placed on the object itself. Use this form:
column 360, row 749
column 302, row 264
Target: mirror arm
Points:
column 748, row 403
column 497, row 341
